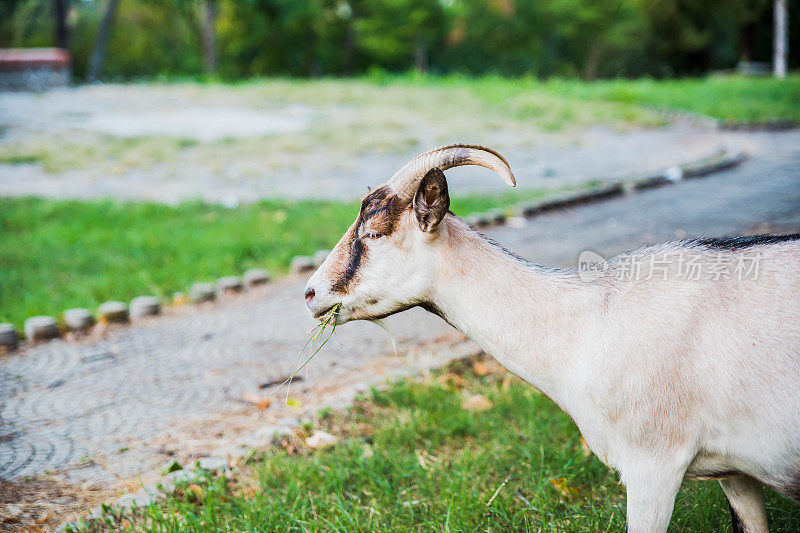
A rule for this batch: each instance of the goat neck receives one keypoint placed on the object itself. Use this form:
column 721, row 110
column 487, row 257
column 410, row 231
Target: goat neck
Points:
column 531, row 319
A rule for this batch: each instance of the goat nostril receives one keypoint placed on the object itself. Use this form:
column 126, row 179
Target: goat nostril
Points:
column 309, row 293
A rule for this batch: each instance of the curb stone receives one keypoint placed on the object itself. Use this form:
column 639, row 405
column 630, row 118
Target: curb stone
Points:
column 320, row 256
column 8, row 336
column 40, row 328
column 202, row 292
column 496, row 216
column 113, row 312
column 301, row 264
column 145, row 306
column 229, row 284
column 78, row 319
column 256, row 276
column 573, row 199
column 715, row 163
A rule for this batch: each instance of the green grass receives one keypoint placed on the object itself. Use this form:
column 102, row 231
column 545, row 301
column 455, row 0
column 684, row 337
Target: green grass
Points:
column 76, row 149
column 410, row 458
column 733, row 99
column 61, row 254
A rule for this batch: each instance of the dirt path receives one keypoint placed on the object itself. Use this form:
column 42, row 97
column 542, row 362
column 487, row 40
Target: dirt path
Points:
column 173, row 143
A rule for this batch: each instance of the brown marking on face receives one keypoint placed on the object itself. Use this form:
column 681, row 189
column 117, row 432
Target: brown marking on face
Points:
column 380, row 212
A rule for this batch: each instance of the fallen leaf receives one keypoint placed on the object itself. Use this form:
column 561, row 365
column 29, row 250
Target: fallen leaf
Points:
column 476, row 402
column 506, row 384
column 567, row 492
column 194, row 492
column 258, row 401
column 321, row 440
column 293, row 402
column 480, row 369
column 586, row 450
column 421, row 460
column 367, row 452
column 178, row 299
column 452, row 380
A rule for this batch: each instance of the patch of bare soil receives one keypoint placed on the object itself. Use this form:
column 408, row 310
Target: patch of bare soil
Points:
column 42, row 503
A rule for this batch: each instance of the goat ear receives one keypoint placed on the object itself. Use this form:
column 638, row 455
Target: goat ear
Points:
column 432, row 201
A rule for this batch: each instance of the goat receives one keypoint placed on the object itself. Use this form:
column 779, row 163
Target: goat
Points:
column 667, row 377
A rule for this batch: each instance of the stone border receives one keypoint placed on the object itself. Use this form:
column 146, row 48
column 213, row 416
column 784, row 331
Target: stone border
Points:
column 79, row 321
column 716, row 162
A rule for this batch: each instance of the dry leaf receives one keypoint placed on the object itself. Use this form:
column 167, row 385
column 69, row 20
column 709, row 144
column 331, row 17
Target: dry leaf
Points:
column 480, row 369
column 321, row 440
column 367, row 452
column 178, row 299
column 506, row 384
column 452, row 380
column 586, row 450
column 258, row 401
column 476, row 402
column 421, row 460
column 194, row 492
column 567, row 492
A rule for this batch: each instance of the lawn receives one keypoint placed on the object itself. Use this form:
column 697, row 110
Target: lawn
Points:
column 732, row 99
column 61, row 254
column 412, row 457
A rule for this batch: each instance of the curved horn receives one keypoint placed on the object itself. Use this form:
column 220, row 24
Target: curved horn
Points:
column 406, row 180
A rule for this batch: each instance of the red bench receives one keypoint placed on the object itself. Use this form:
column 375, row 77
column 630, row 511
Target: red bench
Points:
column 34, row 68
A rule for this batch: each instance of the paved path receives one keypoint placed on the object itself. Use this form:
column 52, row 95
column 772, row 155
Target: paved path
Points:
column 106, row 409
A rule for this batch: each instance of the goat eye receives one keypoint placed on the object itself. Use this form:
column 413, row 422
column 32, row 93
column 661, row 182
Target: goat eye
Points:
column 372, row 235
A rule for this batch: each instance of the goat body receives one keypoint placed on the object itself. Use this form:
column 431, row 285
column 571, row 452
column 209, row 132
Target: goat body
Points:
column 666, row 378
column 676, row 361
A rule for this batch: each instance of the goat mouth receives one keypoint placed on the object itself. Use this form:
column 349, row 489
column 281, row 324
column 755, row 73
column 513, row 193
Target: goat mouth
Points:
column 322, row 313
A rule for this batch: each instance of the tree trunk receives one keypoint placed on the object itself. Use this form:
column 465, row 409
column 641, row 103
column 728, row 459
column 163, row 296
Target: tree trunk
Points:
column 420, row 54
column 209, row 44
column 592, row 65
column 99, row 52
column 349, row 41
column 60, row 8
column 781, row 39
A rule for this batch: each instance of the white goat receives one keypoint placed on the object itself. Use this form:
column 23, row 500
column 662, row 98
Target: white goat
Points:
column 668, row 376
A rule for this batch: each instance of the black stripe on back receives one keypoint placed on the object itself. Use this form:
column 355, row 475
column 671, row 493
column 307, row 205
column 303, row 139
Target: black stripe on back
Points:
column 737, row 243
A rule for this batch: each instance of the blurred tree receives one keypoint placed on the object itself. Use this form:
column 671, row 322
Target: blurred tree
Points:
column 394, row 34
column 209, row 13
column 60, row 8
column 240, row 38
column 100, row 43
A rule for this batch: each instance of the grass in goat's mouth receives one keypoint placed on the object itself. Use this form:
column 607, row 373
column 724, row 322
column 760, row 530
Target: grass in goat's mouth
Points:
column 327, row 322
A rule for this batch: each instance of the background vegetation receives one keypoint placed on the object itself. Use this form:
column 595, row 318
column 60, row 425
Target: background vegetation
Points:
column 585, row 38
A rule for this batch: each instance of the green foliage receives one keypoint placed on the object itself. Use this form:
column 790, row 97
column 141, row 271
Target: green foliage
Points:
column 586, row 38
column 411, row 459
